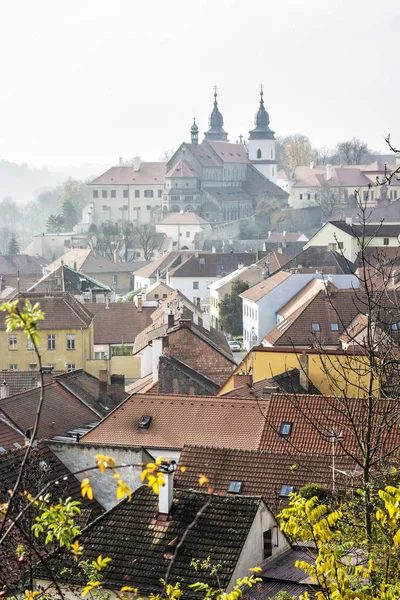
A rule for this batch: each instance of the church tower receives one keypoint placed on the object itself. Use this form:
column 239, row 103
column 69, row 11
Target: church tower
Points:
column 261, row 144
column 194, row 133
column 216, row 132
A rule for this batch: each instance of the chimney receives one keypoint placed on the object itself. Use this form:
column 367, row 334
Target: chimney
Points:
column 187, row 322
column 206, row 320
column 241, row 379
column 115, row 255
column 136, row 163
column 103, row 383
column 120, row 162
column 75, row 269
column 166, row 491
column 195, row 318
column 107, row 302
column 170, row 320
column 117, row 388
column 4, row 390
column 312, row 164
column 328, row 172
column 349, row 221
column 139, row 303
column 303, row 369
column 156, row 352
column 2, row 284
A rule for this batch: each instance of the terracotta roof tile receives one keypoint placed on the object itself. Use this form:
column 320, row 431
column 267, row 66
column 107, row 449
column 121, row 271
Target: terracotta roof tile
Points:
column 230, row 153
column 212, row 264
column 182, row 169
column 25, row 264
column 175, row 422
column 258, row 291
column 150, row 173
column 118, row 321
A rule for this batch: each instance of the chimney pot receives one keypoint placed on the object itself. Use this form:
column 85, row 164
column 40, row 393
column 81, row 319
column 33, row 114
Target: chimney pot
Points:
column 4, row 390
column 241, row 379
column 328, row 172
column 171, row 320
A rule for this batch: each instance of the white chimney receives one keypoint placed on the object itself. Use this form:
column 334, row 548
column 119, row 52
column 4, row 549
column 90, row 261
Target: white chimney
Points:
column 136, row 163
column 206, row 320
column 312, row 164
column 195, row 318
column 4, row 390
column 121, row 161
column 156, row 351
column 328, row 172
column 349, row 221
column 166, row 491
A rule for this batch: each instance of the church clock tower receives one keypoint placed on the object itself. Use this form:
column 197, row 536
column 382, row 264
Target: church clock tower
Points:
column 261, row 145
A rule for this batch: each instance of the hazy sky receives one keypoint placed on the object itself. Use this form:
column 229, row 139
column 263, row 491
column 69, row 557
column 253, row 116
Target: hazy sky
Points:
column 87, row 81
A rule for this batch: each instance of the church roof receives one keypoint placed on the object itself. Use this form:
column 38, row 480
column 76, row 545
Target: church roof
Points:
column 229, row 153
column 262, row 130
column 182, row 169
column 216, row 123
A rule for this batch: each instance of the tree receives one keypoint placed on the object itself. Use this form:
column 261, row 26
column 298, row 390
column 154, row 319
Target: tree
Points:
column 106, row 240
column 13, row 245
column 230, row 309
column 145, row 238
column 352, row 152
column 327, row 197
column 55, row 224
column 294, row 151
column 167, row 155
column 263, row 211
column 73, row 190
column 70, row 215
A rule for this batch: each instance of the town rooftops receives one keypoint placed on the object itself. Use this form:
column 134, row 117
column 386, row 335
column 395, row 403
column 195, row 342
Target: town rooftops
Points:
column 62, row 310
column 235, row 274
column 388, row 214
column 150, row 270
column 118, row 322
column 64, row 278
column 182, row 169
column 319, row 258
column 149, row 173
column 288, row 381
column 263, row 288
column 20, row 381
column 212, row 264
column 184, row 218
column 357, row 230
column 175, row 422
column 140, row 546
column 286, row 236
column 86, row 261
column 25, row 264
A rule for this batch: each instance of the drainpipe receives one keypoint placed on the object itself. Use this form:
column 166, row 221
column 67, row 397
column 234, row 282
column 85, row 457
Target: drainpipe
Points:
column 83, row 349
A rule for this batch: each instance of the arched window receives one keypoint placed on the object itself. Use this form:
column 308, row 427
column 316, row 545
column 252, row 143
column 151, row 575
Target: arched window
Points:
column 259, row 153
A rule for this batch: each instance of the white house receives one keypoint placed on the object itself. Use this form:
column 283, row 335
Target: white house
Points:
column 182, row 228
column 262, row 302
column 344, row 237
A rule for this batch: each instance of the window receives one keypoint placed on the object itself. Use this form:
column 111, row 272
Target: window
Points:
column 372, row 196
column 235, row 487
column 267, row 537
column 70, row 341
column 104, row 207
column 386, row 241
column 340, row 245
column 286, row 428
column 145, row 422
column 95, row 193
column 315, row 327
column 148, row 207
column 165, row 295
column 125, row 193
column 286, row 490
column 115, row 279
column 30, row 345
column 334, row 326
column 148, row 193
column 301, row 196
column 395, row 194
column 396, row 326
column 71, row 367
column 188, row 234
column 137, row 193
column 160, row 193
column 51, row 341
column 113, row 193
column 13, row 367
column 104, row 193
column 259, row 153
column 156, row 296
column 12, row 342
column 308, row 196
column 195, row 285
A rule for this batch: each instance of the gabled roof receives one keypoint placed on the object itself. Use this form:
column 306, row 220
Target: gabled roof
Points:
column 62, row 310
column 205, row 156
column 86, row 261
column 355, row 230
column 212, row 264
column 263, row 288
column 238, row 274
column 186, row 218
column 21, row 381
column 162, row 262
column 149, row 173
column 288, row 236
column 61, row 411
column 176, row 419
column 388, row 214
column 25, row 264
column 288, row 382
column 118, row 322
column 137, row 543
column 72, row 281
column 182, row 169
column 10, row 436
column 229, row 153
column 261, row 473
column 322, row 259
column 187, row 375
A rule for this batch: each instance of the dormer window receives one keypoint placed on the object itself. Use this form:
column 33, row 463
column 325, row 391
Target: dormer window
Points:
column 145, row 422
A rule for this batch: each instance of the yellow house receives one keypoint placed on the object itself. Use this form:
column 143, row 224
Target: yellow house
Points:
column 333, row 372
column 66, row 336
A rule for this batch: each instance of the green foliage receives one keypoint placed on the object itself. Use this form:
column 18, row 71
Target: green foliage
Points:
column 122, row 350
column 13, row 247
column 55, row 224
column 56, row 521
column 283, row 596
column 311, row 490
column 230, row 309
column 70, row 215
column 27, row 319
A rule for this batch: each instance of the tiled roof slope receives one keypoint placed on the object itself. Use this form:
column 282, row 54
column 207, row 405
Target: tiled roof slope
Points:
column 188, row 376
column 288, row 382
column 259, row 290
column 182, row 169
column 129, row 536
column 118, row 321
column 160, row 264
column 86, row 261
column 21, row 381
column 150, row 173
column 72, row 281
column 303, row 411
column 25, row 264
column 61, row 411
column 62, row 310
column 214, row 265
column 186, row 218
column 179, row 420
column 10, row 436
column 388, row 214
column 86, row 388
column 322, row 259
column 261, row 473
column 382, row 229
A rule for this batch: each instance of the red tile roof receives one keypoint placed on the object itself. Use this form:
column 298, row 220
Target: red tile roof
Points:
column 10, row 436
column 182, row 169
column 150, row 173
column 229, row 153
column 186, row 218
column 120, row 321
column 179, row 420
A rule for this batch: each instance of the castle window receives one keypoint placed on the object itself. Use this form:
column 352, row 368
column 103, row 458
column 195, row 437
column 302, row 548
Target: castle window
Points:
column 259, row 154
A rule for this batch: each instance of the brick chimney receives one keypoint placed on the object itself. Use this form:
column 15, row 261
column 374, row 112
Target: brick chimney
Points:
column 241, row 379
column 303, row 370
column 117, row 388
column 187, row 322
column 103, row 381
column 170, row 320
column 139, row 303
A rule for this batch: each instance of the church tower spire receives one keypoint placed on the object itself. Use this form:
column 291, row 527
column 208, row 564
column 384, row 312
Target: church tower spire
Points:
column 194, row 133
column 216, row 132
column 262, row 143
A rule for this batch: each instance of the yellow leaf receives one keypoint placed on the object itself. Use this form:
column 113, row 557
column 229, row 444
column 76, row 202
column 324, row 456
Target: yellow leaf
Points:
column 126, row 588
column 76, row 549
column 89, row 587
column 256, row 569
column 203, row 479
column 183, row 469
column 143, row 475
column 86, row 489
column 159, row 460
